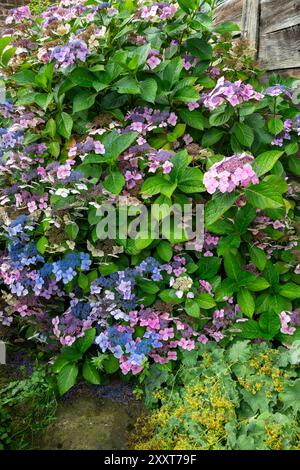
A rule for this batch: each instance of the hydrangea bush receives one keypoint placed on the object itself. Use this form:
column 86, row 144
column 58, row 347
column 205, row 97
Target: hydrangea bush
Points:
column 133, row 102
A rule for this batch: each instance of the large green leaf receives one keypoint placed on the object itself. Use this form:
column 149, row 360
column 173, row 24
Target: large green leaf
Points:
column 205, row 301
column 191, row 181
column 67, row 378
column 290, row 290
column 258, row 257
column 217, row 206
column 193, row 119
column 244, row 134
column 64, row 124
column 269, row 323
column 199, row 47
column 84, row 343
column 149, row 90
column 128, row 85
column 83, row 100
column 157, row 184
column 114, row 182
column 264, row 196
column 265, row 161
column 246, row 302
column 90, row 373
column 233, row 265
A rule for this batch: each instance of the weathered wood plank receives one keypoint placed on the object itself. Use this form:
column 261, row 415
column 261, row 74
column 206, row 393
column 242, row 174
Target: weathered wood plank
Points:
column 250, row 22
column 277, row 15
column 230, row 10
column 280, row 49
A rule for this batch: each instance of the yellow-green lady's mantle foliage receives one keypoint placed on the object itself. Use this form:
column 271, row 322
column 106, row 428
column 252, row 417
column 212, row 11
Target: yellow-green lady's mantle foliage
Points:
column 245, row 397
column 143, row 102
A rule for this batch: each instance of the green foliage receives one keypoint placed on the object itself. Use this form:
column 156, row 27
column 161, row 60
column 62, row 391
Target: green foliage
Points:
column 244, row 397
column 27, row 406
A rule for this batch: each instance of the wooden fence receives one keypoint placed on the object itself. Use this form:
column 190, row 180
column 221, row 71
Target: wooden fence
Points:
column 272, row 27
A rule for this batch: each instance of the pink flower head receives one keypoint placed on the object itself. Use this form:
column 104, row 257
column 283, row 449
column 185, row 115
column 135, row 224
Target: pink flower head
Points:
column 172, row 120
column 187, row 344
column 41, row 171
column 63, row 172
column 230, row 173
column 285, row 319
column 167, row 167
column 32, row 206
column 99, row 148
column 153, row 62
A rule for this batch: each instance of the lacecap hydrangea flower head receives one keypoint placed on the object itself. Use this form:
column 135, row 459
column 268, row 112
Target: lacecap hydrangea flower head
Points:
column 230, row 173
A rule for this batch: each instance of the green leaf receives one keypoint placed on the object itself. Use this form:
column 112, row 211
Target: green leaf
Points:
column 25, row 77
column 84, row 343
column 139, row 57
column 150, row 287
column 291, row 148
column 233, row 265
column 169, row 296
column 199, row 47
column 83, row 282
column 64, row 124
column 208, row 267
column 4, row 42
column 205, row 301
column 244, row 134
column 83, row 100
column 275, row 126
column 290, row 396
column 227, row 27
column 264, row 196
column 273, row 303
column 165, row 251
column 193, row 119
column 226, row 244
column 157, row 184
column 191, row 181
column 187, row 94
column 217, row 206
column 72, row 230
column 218, row 118
column 149, row 90
column 212, row 136
column 172, row 71
column 239, row 352
column 258, row 284
column 114, row 144
column 111, row 365
column 258, row 257
column 294, row 165
column 114, row 182
column 250, row 329
column 269, row 323
column 69, row 354
column 128, row 85
column 82, row 77
column 42, row 244
column 188, row 5
column 290, row 291
column 192, row 308
column 265, row 161
column 67, row 378
column 90, row 373
column 245, row 215
column 246, row 302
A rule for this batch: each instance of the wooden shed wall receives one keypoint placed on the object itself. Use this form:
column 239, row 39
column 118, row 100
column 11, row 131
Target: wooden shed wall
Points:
column 277, row 38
